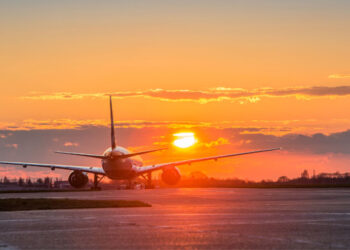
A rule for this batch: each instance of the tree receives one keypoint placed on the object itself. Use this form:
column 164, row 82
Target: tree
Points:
column 305, row 174
column 29, row 182
column 20, row 181
column 283, row 179
column 6, row 180
column 197, row 175
column 47, row 181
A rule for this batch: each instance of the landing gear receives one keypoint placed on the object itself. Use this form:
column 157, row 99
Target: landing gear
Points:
column 97, row 180
column 130, row 184
column 148, row 178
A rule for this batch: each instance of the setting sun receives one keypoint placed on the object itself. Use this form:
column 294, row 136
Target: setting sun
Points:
column 185, row 140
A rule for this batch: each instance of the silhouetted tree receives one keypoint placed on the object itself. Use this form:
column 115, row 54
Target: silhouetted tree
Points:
column 198, row 175
column 20, row 181
column 305, row 174
column 29, row 182
column 47, row 181
column 283, row 179
column 6, row 180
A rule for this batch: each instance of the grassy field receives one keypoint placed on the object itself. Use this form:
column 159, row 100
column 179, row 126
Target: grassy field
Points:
column 44, row 191
column 44, row 204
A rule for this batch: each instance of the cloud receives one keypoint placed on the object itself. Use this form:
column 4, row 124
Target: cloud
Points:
column 62, row 96
column 39, row 146
column 80, row 124
column 318, row 143
column 71, row 144
column 339, row 76
column 218, row 142
column 267, row 127
column 206, row 96
column 14, row 145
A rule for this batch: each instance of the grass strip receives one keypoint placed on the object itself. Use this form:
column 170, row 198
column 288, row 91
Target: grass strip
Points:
column 44, row 191
column 17, row 204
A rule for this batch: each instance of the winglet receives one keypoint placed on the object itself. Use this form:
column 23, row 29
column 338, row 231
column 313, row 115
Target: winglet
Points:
column 112, row 123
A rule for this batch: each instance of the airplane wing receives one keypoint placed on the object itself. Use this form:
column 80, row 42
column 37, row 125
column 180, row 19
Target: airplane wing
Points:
column 93, row 170
column 150, row 168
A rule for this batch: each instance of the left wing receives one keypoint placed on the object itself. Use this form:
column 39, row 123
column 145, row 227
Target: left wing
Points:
column 150, row 168
column 93, row 170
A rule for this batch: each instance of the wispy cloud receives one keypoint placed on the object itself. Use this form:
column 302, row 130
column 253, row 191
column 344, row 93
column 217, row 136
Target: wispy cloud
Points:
column 206, row 96
column 71, row 144
column 220, row 141
column 20, row 143
column 80, row 124
column 14, row 145
column 267, row 127
column 38, row 146
column 339, row 76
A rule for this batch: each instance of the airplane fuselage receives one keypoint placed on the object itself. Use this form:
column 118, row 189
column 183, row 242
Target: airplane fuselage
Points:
column 120, row 168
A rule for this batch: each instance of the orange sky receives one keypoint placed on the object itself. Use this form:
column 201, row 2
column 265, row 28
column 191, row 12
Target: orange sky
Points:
column 278, row 66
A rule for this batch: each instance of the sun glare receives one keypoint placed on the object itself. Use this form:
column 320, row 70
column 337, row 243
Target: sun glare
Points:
column 184, row 140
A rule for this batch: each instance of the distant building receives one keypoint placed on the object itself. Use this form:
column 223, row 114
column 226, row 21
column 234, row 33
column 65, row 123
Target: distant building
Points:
column 62, row 185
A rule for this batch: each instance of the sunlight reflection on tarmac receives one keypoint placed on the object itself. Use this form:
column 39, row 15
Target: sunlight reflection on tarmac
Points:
column 187, row 218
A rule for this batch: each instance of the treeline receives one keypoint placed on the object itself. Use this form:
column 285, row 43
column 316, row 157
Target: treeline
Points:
column 28, row 182
column 198, row 179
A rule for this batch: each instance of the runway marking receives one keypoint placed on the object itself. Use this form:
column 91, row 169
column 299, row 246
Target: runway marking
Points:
column 233, row 216
column 50, row 230
column 252, row 236
column 18, row 220
column 89, row 218
column 66, row 229
column 302, row 241
column 324, row 224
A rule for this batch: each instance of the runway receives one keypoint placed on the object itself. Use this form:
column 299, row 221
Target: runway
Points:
column 187, row 218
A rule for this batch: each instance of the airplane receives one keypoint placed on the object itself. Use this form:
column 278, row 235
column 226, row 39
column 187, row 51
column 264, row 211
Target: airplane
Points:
column 120, row 164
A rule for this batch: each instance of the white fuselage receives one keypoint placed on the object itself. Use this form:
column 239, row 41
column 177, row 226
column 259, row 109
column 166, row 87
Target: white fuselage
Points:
column 119, row 169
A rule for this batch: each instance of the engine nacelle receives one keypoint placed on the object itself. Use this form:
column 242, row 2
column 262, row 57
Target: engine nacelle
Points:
column 171, row 176
column 78, row 179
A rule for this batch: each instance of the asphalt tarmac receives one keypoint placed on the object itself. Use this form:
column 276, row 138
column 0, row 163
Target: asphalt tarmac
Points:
column 189, row 219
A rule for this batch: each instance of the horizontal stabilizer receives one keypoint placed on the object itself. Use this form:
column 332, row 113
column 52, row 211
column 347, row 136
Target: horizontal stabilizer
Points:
column 137, row 153
column 81, row 154
column 115, row 156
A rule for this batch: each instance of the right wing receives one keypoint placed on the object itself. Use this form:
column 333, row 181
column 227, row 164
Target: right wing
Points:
column 93, row 170
column 150, row 168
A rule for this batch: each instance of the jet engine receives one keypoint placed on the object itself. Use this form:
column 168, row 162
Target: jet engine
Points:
column 78, row 179
column 171, row 176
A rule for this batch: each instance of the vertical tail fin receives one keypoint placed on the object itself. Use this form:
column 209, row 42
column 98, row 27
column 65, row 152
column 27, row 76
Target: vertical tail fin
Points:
column 112, row 123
